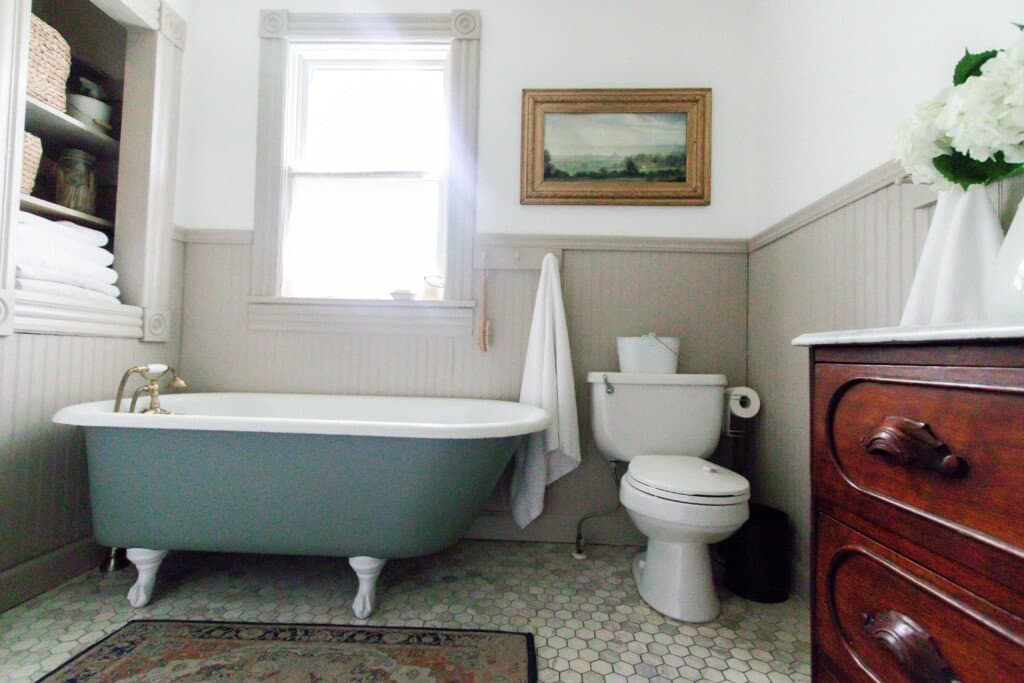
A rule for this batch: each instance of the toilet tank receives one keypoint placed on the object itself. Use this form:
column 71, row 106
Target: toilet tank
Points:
column 659, row 414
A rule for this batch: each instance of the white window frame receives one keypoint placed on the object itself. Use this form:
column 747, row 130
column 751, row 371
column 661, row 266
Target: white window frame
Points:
column 453, row 316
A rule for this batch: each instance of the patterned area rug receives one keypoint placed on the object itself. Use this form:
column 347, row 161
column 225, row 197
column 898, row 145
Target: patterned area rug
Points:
column 153, row 650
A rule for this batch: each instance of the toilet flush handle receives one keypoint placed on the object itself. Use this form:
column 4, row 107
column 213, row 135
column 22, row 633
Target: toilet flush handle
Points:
column 608, row 388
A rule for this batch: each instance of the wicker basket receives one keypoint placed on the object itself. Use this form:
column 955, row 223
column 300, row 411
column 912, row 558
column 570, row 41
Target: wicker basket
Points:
column 49, row 65
column 31, row 154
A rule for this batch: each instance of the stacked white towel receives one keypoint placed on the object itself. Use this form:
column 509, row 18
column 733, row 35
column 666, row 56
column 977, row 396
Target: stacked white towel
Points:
column 63, row 259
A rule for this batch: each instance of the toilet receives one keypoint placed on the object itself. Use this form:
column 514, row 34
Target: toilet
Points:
column 666, row 426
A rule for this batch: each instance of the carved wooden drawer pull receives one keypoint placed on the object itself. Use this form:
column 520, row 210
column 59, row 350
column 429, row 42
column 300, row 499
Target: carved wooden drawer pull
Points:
column 913, row 444
column 912, row 646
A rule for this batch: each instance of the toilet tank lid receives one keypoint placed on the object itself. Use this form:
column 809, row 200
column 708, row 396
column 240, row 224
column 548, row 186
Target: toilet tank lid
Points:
column 656, row 378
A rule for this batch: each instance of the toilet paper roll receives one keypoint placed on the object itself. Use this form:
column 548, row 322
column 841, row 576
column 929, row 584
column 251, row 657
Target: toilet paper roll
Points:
column 742, row 402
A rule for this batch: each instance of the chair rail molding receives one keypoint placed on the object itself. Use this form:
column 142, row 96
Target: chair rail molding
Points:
column 889, row 173
column 524, row 251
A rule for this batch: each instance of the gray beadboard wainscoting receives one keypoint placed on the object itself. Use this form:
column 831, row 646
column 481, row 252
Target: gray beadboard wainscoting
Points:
column 45, row 527
column 611, row 287
column 845, row 262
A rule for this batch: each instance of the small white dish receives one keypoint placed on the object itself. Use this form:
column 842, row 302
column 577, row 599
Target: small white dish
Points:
column 403, row 295
column 92, row 112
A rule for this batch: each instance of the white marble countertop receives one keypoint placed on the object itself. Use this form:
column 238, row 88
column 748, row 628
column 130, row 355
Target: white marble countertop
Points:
column 932, row 333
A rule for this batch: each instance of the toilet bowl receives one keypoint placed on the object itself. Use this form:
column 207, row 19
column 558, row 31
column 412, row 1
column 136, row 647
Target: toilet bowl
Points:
column 697, row 503
column 665, row 427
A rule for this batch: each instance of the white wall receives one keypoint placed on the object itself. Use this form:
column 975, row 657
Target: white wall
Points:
column 842, row 74
column 807, row 95
column 526, row 44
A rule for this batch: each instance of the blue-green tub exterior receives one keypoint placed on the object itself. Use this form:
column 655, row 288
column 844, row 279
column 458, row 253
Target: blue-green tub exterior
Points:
column 303, row 494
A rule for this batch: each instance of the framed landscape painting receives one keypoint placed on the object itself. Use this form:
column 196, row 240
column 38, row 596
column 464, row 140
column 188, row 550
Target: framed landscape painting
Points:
column 616, row 147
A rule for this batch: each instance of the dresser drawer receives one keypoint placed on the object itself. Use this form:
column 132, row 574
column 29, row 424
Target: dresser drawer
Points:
column 915, row 448
column 880, row 617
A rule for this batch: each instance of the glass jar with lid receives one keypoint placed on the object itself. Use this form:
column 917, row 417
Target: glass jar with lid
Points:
column 76, row 180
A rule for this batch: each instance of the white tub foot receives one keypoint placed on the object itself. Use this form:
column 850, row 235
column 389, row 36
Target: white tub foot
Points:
column 367, row 569
column 146, row 561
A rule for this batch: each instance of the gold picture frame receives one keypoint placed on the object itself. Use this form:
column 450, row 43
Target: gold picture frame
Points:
column 616, row 146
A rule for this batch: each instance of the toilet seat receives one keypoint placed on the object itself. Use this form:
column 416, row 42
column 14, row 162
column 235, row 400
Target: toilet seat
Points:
column 685, row 479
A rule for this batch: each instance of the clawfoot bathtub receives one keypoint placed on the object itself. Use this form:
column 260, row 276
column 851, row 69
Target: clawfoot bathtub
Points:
column 364, row 477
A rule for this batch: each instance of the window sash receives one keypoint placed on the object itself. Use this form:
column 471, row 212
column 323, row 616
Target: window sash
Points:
column 388, row 239
column 307, row 58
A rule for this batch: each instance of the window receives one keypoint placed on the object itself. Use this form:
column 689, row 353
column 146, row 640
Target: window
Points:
column 365, row 171
column 366, row 160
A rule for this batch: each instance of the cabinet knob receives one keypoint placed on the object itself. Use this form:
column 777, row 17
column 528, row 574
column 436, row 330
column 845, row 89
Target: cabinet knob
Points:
column 911, row 645
column 910, row 443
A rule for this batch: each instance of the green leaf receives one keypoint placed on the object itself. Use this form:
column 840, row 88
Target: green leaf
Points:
column 970, row 65
column 1020, row 26
column 965, row 171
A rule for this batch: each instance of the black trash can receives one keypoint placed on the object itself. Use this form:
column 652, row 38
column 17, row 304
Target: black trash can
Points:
column 757, row 557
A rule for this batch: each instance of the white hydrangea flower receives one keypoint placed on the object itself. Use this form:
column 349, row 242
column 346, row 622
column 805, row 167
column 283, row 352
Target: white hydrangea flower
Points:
column 1005, row 72
column 919, row 140
column 972, row 115
column 981, row 117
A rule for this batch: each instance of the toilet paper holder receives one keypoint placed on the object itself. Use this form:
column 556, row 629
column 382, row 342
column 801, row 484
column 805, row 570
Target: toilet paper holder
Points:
column 741, row 404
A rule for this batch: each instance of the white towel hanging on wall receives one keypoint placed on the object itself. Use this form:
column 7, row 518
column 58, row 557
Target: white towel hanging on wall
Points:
column 547, row 383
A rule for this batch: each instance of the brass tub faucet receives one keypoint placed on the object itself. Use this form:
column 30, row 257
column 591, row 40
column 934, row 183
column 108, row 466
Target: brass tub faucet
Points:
column 152, row 373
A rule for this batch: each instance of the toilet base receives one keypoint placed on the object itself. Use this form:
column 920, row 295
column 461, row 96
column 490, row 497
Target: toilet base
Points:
column 676, row 580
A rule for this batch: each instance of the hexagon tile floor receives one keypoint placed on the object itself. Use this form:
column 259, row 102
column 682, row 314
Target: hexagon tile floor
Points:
column 588, row 621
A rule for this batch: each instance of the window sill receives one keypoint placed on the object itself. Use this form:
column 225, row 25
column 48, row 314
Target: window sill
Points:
column 46, row 314
column 358, row 316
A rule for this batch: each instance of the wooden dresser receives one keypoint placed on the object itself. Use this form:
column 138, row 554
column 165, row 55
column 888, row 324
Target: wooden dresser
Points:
column 918, row 500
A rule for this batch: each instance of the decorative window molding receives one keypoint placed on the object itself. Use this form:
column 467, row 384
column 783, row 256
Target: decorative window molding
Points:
column 156, row 325
column 279, row 28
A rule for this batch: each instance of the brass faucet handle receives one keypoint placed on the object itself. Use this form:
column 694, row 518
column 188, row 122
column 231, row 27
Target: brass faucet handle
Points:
column 155, row 371
column 152, row 373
